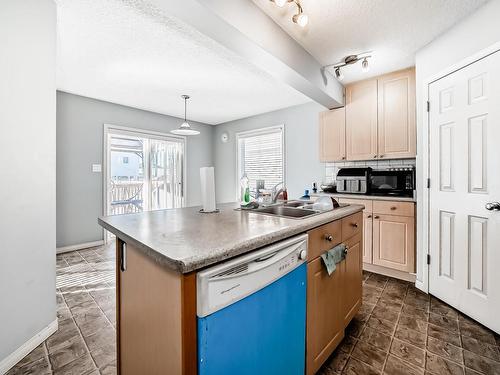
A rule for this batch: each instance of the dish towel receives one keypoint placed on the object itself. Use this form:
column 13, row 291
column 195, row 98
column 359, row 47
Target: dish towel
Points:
column 332, row 257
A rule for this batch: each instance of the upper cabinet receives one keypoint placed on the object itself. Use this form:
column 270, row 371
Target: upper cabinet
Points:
column 377, row 122
column 396, row 115
column 361, row 120
column 332, row 135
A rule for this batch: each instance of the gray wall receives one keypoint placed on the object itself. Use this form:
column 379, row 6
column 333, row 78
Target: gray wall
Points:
column 28, row 170
column 478, row 31
column 301, row 145
column 79, row 145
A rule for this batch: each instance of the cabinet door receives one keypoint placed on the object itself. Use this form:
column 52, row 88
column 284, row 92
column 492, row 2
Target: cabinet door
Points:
column 351, row 270
column 367, row 237
column 156, row 317
column 332, row 135
column 396, row 115
column 394, row 242
column 361, row 120
column 324, row 320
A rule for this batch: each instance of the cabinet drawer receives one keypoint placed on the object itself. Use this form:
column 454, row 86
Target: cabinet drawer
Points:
column 324, row 238
column 366, row 202
column 394, row 208
column 352, row 225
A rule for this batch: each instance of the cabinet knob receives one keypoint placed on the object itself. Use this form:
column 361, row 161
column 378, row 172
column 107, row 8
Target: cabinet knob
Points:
column 343, row 157
column 381, row 156
column 393, row 208
column 346, row 251
column 377, row 217
column 329, row 237
column 369, row 216
column 374, row 156
column 355, row 225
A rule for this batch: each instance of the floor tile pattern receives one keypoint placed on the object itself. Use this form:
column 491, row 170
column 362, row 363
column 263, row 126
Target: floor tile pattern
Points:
column 399, row 330
column 85, row 341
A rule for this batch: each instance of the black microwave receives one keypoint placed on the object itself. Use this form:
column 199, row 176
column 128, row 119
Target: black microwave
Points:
column 399, row 181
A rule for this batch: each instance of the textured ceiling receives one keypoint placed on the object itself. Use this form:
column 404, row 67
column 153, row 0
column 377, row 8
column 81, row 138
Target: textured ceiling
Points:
column 126, row 52
column 394, row 29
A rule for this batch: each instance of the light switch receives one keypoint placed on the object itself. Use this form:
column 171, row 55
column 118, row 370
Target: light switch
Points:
column 97, row 168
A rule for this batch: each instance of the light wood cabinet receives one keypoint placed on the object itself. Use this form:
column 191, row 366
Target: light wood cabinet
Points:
column 394, row 242
column 388, row 234
column 332, row 300
column 351, row 271
column 361, row 120
column 155, row 331
column 396, row 115
column 325, row 325
column 332, row 135
column 367, row 236
column 378, row 121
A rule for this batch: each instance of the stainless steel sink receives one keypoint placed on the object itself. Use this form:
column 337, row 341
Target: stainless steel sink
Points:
column 283, row 211
column 294, row 204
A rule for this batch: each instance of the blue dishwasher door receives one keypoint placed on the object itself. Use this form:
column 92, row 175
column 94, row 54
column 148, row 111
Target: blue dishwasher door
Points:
column 263, row 333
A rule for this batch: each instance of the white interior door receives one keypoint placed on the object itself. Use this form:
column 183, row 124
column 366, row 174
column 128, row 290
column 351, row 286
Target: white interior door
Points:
column 465, row 178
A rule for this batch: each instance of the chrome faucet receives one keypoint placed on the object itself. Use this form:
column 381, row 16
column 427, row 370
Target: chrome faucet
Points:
column 275, row 193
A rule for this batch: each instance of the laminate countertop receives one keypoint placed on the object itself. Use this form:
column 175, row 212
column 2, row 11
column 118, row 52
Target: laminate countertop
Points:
column 186, row 240
column 365, row 196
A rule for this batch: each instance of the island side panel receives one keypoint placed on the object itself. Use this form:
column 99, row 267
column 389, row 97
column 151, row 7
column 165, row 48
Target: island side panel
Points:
column 156, row 317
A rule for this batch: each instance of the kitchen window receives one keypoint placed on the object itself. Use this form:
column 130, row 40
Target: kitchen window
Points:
column 261, row 155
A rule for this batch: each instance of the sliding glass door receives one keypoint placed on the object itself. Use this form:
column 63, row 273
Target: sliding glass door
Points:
column 144, row 171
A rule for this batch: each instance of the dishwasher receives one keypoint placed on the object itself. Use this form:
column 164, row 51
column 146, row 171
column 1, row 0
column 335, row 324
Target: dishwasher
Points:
column 251, row 312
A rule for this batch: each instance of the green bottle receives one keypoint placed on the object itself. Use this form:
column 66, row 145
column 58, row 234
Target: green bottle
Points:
column 245, row 189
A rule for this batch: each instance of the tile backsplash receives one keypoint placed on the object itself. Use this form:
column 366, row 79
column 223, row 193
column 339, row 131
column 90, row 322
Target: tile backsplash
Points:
column 331, row 169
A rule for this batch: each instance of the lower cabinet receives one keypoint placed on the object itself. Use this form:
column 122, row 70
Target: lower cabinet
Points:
column 394, row 242
column 351, row 271
column 332, row 300
column 325, row 326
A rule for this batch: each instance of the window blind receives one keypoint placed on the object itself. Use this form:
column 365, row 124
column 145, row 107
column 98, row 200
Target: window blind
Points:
column 261, row 157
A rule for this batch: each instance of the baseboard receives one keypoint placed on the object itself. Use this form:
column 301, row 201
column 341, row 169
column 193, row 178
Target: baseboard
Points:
column 80, row 246
column 411, row 277
column 27, row 347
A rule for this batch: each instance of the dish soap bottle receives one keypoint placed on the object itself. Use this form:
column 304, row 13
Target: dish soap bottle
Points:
column 245, row 189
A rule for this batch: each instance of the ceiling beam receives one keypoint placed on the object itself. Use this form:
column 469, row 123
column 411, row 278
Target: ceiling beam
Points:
column 244, row 29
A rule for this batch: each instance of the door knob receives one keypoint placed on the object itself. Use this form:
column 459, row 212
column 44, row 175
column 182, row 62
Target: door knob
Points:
column 492, row 206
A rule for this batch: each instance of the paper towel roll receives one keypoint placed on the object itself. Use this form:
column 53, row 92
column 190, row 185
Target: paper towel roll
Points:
column 207, row 183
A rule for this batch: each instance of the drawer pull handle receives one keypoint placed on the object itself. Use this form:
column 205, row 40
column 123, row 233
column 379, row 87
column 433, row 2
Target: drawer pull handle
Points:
column 393, row 208
column 355, row 225
column 377, row 217
column 329, row 237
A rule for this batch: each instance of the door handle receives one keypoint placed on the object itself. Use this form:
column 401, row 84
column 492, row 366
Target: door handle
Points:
column 492, row 206
column 123, row 257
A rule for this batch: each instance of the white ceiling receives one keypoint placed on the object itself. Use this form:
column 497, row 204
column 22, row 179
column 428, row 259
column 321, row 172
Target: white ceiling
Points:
column 394, row 29
column 127, row 52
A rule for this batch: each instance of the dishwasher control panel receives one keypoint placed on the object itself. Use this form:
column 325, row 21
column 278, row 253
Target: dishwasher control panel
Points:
column 231, row 281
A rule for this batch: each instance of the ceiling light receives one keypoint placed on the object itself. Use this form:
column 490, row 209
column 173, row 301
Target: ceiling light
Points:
column 301, row 19
column 339, row 74
column 364, row 65
column 185, row 128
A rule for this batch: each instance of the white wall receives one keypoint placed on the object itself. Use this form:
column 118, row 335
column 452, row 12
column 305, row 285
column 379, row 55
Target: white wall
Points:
column 301, row 146
column 79, row 145
column 478, row 31
column 28, row 170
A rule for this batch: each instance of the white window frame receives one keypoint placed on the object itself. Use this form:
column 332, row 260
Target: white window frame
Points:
column 255, row 132
column 117, row 129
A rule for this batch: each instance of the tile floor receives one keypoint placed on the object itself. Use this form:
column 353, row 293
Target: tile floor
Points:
column 399, row 330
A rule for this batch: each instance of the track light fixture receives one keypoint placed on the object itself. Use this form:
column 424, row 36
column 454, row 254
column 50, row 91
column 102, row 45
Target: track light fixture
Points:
column 300, row 18
column 339, row 74
column 349, row 60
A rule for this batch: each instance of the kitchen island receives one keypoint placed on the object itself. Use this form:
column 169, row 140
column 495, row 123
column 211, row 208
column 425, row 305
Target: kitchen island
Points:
column 159, row 254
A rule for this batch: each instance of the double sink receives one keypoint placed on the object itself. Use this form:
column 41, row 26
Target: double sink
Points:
column 289, row 209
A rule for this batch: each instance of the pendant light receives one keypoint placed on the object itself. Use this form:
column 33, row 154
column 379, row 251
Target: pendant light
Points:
column 185, row 128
